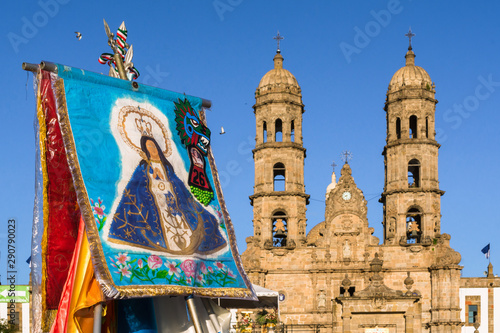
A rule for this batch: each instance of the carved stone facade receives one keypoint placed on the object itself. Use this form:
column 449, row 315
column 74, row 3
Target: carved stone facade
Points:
column 339, row 276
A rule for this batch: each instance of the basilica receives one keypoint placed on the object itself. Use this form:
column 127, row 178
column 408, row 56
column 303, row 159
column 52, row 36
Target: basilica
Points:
column 338, row 277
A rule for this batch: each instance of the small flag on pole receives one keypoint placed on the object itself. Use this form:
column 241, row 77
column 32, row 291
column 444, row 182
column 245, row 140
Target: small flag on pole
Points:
column 486, row 251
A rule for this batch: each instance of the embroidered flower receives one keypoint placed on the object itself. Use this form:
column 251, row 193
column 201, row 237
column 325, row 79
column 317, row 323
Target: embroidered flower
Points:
column 189, row 267
column 122, row 258
column 113, row 263
column 99, row 211
column 210, row 269
column 140, row 263
column 230, row 273
column 199, row 279
column 203, row 268
column 154, row 261
column 219, row 265
column 189, row 280
column 125, row 271
column 172, row 268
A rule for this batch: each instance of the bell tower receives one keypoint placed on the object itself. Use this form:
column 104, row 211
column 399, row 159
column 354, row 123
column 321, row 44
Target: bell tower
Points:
column 411, row 196
column 279, row 200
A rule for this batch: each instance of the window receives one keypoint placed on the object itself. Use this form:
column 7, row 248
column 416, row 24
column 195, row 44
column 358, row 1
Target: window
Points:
column 426, row 127
column 280, row 229
column 278, row 130
column 471, row 314
column 413, row 226
column 351, row 291
column 279, row 177
column 264, row 132
column 413, row 127
column 414, row 173
column 398, row 128
column 292, row 132
column 473, row 310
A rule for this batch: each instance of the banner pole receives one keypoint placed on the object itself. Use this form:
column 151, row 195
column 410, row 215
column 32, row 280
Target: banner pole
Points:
column 119, row 65
column 52, row 68
column 97, row 318
column 193, row 314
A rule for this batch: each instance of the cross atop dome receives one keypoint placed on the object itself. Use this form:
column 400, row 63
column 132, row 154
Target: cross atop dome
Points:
column 409, row 34
column 278, row 38
column 346, row 156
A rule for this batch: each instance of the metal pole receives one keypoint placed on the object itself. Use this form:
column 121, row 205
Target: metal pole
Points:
column 193, row 314
column 30, row 67
column 97, row 318
column 206, row 103
column 48, row 66
column 119, row 66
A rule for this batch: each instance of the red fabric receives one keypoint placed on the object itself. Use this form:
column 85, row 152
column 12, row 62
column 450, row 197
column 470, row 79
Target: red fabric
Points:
column 64, row 213
column 61, row 321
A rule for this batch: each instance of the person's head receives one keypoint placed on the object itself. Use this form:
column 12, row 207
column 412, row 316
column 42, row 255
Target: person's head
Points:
column 151, row 148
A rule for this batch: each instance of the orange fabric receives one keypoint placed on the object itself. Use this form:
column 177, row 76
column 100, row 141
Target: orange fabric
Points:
column 86, row 293
column 80, row 293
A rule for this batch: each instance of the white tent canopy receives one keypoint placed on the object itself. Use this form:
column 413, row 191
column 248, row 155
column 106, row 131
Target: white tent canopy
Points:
column 266, row 299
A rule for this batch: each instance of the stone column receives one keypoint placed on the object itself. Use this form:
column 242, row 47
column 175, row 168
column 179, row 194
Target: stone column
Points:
column 346, row 321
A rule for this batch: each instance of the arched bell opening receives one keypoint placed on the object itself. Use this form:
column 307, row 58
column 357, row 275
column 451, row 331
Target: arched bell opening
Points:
column 278, row 131
column 280, row 229
column 414, row 173
column 413, row 226
column 279, row 180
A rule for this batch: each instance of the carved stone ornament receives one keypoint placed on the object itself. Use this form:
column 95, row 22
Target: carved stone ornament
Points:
column 346, row 284
column 376, row 289
column 408, row 283
column 445, row 255
column 379, row 302
column 268, row 244
column 346, row 224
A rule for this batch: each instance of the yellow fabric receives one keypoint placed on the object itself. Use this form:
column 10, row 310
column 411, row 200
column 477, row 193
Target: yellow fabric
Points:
column 86, row 293
column 47, row 315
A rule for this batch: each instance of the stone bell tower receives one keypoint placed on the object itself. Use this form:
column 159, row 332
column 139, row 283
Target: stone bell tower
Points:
column 279, row 200
column 411, row 196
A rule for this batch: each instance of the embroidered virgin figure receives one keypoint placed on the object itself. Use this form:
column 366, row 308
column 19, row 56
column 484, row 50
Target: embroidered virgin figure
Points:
column 156, row 210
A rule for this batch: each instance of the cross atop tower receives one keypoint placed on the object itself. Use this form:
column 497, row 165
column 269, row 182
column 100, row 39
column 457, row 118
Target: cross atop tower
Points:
column 278, row 37
column 409, row 35
column 346, row 156
column 333, row 165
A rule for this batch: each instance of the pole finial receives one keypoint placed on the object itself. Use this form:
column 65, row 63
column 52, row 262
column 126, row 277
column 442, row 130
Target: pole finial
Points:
column 278, row 38
column 409, row 34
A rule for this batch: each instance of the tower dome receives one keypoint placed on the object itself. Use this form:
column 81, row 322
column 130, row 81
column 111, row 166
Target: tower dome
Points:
column 410, row 75
column 278, row 79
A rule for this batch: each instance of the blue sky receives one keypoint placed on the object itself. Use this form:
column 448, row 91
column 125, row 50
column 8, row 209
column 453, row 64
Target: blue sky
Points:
column 219, row 50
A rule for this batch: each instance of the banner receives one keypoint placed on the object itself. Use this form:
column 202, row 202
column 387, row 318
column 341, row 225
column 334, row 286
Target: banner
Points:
column 56, row 210
column 147, row 188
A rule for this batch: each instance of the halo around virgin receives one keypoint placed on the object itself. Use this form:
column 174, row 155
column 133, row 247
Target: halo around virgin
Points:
column 135, row 122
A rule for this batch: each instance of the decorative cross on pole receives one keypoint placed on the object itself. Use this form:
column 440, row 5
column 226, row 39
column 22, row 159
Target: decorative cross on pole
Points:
column 122, row 54
column 333, row 165
column 410, row 35
column 346, row 156
column 278, row 37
